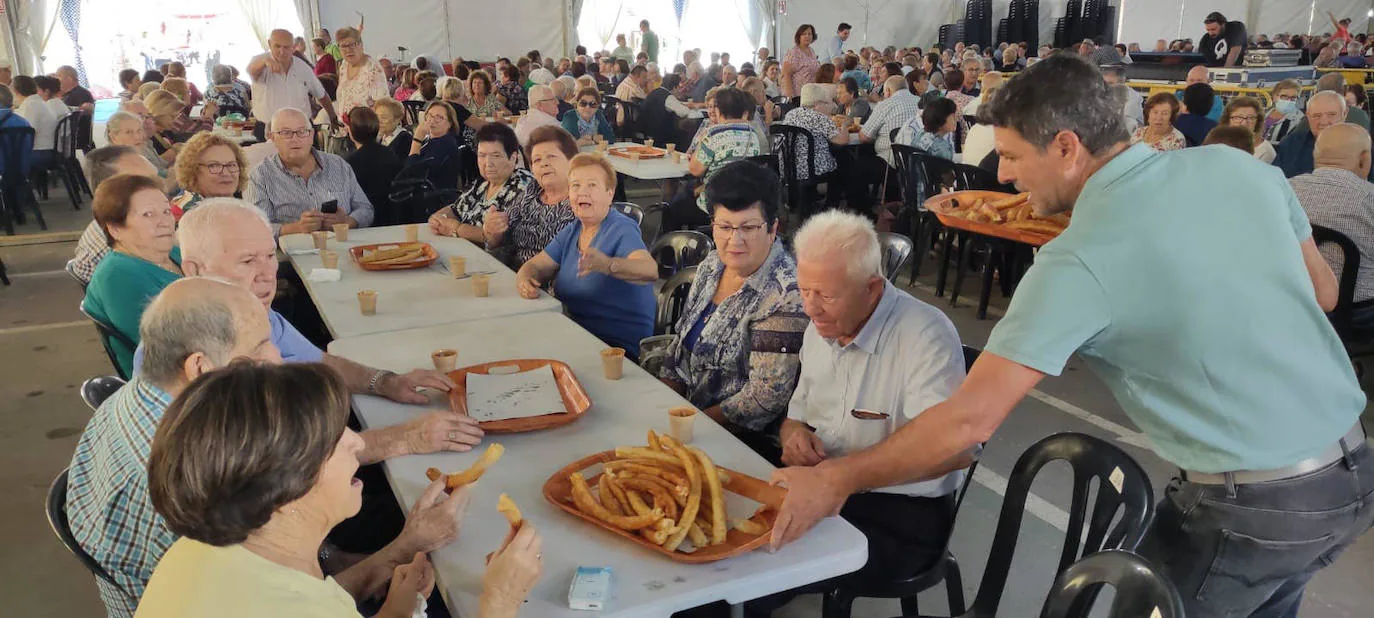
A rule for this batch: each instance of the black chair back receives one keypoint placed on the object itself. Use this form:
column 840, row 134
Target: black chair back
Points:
column 672, row 300
column 1122, row 488
column 910, row 179
column 896, row 249
column 680, row 249
column 414, row 109
column 96, row 390
column 769, row 161
column 1140, row 589
column 57, row 519
column 71, row 270
column 632, row 211
column 64, row 143
column 466, row 161
column 653, row 352
column 971, row 177
column 630, row 128
column 1342, row 317
column 107, row 335
column 937, row 172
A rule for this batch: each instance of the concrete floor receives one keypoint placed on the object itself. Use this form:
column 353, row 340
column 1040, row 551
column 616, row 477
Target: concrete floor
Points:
column 47, row 349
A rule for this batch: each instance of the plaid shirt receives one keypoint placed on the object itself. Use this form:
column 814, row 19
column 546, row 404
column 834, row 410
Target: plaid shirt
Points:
column 891, row 113
column 108, row 505
column 90, row 249
column 1338, row 199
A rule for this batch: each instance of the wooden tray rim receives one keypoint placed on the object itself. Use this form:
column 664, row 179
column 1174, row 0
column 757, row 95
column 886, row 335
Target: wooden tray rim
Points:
column 431, row 254
column 624, row 152
column 574, row 395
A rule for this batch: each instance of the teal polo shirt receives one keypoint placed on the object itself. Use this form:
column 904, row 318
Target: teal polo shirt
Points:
column 1181, row 284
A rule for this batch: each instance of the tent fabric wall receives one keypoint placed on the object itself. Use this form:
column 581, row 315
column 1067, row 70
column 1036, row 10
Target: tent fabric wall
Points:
column 28, row 21
column 890, row 22
column 450, row 28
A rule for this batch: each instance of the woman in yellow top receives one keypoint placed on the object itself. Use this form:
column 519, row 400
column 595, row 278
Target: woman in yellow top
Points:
column 253, row 465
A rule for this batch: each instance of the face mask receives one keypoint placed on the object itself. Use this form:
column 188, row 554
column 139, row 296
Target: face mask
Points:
column 1286, row 107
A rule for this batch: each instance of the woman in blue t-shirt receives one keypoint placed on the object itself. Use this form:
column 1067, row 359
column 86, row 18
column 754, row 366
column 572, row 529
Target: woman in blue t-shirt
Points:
column 599, row 265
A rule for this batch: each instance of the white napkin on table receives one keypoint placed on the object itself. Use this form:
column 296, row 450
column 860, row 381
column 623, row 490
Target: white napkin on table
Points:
column 309, row 251
column 324, row 274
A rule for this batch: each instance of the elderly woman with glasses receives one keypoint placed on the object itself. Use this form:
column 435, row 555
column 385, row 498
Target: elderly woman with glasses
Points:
column 362, row 81
column 209, row 166
column 527, row 226
column 253, row 466
column 503, row 181
column 1248, row 112
column 599, row 265
column 126, row 128
column 588, row 121
column 436, row 145
column 735, row 354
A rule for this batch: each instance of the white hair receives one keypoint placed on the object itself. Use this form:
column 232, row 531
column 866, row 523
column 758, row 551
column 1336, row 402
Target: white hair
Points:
column 539, row 93
column 567, row 84
column 288, row 111
column 119, row 118
column 198, row 232
column 1329, row 94
column 837, row 236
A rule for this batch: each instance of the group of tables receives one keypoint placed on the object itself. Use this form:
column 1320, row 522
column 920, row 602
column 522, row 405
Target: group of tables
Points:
column 422, row 310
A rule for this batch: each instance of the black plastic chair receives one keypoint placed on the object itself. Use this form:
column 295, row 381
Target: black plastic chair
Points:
column 413, row 111
column 630, row 129
column 96, row 390
column 1358, row 342
column 795, row 149
column 71, row 271
column 57, row 519
column 896, row 249
column 972, row 177
column 16, row 187
column 1140, row 589
column 107, row 334
column 1123, row 489
column 672, row 300
column 925, row 228
column 680, row 249
column 632, row 211
column 653, row 352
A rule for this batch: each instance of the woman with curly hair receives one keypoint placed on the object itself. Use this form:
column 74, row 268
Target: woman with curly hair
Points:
column 209, row 166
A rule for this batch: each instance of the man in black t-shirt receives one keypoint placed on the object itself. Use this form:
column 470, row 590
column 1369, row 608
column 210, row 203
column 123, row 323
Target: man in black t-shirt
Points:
column 1225, row 42
column 73, row 94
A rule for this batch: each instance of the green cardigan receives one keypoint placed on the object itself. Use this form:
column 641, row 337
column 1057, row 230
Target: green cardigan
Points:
column 120, row 288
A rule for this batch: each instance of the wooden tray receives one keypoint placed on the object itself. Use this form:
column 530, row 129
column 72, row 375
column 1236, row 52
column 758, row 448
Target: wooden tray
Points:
column 575, row 397
column 429, row 256
column 942, row 204
column 644, row 152
column 558, row 490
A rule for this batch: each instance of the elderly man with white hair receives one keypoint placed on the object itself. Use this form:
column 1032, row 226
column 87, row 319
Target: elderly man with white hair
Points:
column 873, row 359
column 1324, row 110
column 543, row 112
column 192, row 327
column 302, row 189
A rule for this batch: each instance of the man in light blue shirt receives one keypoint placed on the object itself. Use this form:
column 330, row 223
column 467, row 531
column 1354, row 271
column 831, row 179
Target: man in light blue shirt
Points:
column 1189, row 282
column 835, row 47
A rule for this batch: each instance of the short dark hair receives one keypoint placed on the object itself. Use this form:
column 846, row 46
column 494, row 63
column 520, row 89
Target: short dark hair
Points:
column 551, row 133
column 742, row 185
column 24, row 86
column 850, row 85
column 241, row 442
column 844, row 26
column 47, row 83
column 1060, row 93
column 893, row 69
column 1236, row 137
column 580, row 50
column 363, row 124
column 623, row 66
column 643, row 23
column 152, row 76
column 6, row 96
column 638, row 70
column 500, row 133
column 671, row 81
column 1197, row 99
column 512, row 73
column 936, row 113
column 589, row 92
column 1215, row 17
column 578, row 69
column 796, row 37
column 851, row 62
column 954, row 79
column 913, row 77
column 734, row 103
column 127, row 75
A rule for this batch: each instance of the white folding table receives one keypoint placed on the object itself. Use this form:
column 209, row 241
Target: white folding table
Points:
column 644, row 583
column 408, row 298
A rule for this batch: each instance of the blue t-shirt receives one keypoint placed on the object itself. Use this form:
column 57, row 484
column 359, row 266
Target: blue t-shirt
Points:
column 294, row 347
column 618, row 312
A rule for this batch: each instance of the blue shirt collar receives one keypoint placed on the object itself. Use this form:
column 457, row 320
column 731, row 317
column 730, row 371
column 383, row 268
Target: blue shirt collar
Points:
column 867, row 339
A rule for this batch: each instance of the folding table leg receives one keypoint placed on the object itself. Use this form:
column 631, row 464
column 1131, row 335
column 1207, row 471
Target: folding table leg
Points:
column 943, row 276
column 966, row 242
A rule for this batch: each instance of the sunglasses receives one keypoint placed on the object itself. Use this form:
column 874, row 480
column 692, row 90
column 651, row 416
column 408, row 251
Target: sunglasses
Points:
column 586, row 104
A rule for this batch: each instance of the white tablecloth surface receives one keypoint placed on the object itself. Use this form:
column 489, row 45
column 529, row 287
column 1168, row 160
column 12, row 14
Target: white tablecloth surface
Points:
column 645, row 583
column 646, row 169
column 409, row 298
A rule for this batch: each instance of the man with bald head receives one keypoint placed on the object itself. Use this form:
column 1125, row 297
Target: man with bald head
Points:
column 1324, row 110
column 1337, row 195
column 302, row 189
column 280, row 79
column 1199, row 75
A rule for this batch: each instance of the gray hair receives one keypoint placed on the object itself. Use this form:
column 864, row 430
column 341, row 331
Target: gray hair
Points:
column 566, row 84
column 540, row 92
column 119, row 118
column 1060, row 93
column 287, row 111
column 100, row 163
column 845, row 237
column 222, row 75
column 199, row 231
column 1332, row 82
column 1329, row 94
column 172, row 330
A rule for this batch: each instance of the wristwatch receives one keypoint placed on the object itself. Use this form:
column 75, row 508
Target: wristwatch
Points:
column 377, row 377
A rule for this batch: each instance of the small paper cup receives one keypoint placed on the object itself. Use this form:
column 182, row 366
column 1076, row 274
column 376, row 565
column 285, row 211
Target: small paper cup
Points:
column 649, row 143
column 457, row 265
column 412, row 232
column 445, row 360
column 613, row 363
column 680, row 422
column 481, row 285
column 321, row 239
column 671, row 148
column 341, row 232
column 329, row 259
column 677, row 158
column 367, row 302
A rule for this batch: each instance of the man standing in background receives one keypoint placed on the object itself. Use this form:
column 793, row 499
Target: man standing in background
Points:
column 835, row 48
column 648, row 41
column 1225, row 42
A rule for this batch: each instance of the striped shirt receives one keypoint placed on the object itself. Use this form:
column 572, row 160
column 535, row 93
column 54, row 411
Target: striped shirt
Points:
column 284, row 196
column 108, row 505
column 533, row 224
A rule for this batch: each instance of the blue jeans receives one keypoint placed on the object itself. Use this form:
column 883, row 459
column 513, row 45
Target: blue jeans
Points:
column 1251, row 551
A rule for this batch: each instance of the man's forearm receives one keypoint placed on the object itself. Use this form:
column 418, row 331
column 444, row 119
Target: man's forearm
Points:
column 927, row 447
column 1232, row 56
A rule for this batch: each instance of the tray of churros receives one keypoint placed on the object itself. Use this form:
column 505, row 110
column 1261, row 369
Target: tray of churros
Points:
column 644, row 152
column 669, row 498
column 993, row 213
column 394, row 255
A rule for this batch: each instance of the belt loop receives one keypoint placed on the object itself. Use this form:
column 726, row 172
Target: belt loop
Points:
column 1230, row 484
column 1345, row 454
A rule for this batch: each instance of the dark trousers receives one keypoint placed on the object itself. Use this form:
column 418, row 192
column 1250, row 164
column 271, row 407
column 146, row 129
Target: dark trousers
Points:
column 683, row 212
column 906, row 535
column 1251, row 549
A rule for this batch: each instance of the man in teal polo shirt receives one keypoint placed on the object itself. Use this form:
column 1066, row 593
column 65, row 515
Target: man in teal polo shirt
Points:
column 1189, row 282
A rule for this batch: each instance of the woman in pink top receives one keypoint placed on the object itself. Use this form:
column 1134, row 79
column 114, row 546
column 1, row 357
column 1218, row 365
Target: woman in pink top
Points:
column 1342, row 28
column 799, row 64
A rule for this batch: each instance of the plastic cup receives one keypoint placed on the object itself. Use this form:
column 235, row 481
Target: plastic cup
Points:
column 677, row 158
column 481, row 285
column 634, row 156
column 367, row 302
column 613, row 363
column 649, row 143
column 329, row 259
column 341, row 232
column 412, row 232
column 671, row 148
column 680, row 422
column 445, row 360
column 321, row 239
column 457, row 265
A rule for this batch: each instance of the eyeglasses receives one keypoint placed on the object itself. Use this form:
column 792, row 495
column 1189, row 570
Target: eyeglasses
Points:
column 747, row 230
column 1247, row 119
column 350, row 45
column 297, row 134
column 219, row 168
column 586, row 104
